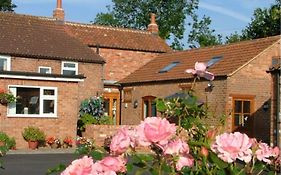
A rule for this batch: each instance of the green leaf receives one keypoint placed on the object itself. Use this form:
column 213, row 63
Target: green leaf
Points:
column 218, row 161
column 271, row 173
column 97, row 155
column 160, row 105
column 129, row 167
column 57, row 169
column 221, row 172
column 166, row 168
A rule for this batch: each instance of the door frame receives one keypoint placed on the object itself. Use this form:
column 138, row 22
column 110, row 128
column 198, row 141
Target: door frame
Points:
column 250, row 98
column 111, row 96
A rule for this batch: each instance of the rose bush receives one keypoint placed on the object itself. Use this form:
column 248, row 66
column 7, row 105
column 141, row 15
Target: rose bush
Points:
column 228, row 153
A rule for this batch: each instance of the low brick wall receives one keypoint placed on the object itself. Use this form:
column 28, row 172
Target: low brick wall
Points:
column 100, row 132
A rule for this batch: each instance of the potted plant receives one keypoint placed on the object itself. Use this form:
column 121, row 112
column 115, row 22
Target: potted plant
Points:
column 33, row 136
column 53, row 142
column 3, row 138
column 67, row 142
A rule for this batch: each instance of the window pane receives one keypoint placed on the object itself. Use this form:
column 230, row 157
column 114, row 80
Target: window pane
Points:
column 48, row 106
column 28, row 100
column 236, row 120
column 44, row 71
column 153, row 109
column 246, row 107
column 3, row 64
column 69, row 72
column 247, row 120
column 69, row 65
column 238, row 106
column 106, row 106
column 49, row 92
column 145, row 109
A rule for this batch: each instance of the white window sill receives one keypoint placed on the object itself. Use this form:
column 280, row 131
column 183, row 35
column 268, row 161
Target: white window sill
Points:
column 31, row 116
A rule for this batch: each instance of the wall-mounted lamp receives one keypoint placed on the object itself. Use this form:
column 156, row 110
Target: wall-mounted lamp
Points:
column 265, row 106
column 135, row 104
column 209, row 87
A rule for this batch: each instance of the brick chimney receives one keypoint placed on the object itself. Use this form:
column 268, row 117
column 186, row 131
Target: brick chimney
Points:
column 152, row 27
column 58, row 13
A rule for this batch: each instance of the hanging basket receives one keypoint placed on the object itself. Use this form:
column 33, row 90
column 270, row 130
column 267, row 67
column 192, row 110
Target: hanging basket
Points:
column 4, row 101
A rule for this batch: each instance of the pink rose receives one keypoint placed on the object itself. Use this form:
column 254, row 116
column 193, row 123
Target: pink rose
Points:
column 155, row 130
column 275, row 152
column 81, row 166
column 98, row 169
column 121, row 141
column 176, row 147
column 183, row 161
column 116, row 164
column 265, row 152
column 200, row 70
column 232, row 146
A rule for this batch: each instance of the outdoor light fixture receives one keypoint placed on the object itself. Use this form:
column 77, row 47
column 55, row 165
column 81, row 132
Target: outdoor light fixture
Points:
column 210, row 87
column 135, row 104
column 265, row 106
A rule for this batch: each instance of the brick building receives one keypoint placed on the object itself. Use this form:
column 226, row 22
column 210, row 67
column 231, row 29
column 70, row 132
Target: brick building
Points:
column 124, row 50
column 72, row 61
column 49, row 71
column 241, row 88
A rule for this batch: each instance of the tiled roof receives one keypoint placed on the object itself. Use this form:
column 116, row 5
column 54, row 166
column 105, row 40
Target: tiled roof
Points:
column 234, row 56
column 118, row 38
column 39, row 37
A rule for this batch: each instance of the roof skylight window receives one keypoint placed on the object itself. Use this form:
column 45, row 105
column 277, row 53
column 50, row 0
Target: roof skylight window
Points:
column 169, row 67
column 213, row 61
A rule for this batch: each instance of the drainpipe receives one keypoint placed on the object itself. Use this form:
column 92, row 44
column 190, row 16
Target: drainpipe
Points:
column 278, row 112
column 120, row 104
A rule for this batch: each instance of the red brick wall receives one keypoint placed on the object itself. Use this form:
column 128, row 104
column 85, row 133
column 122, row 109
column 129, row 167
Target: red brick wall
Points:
column 70, row 94
column 216, row 99
column 100, row 132
column 63, row 125
column 91, row 86
column 252, row 79
column 120, row 63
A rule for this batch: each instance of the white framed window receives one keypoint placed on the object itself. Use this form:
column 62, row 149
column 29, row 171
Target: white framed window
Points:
column 44, row 70
column 69, row 68
column 5, row 63
column 33, row 101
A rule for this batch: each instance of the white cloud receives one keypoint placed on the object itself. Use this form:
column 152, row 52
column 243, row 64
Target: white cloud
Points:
column 224, row 11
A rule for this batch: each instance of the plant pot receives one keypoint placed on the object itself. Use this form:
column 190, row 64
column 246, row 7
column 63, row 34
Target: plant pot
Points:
column 54, row 145
column 33, row 144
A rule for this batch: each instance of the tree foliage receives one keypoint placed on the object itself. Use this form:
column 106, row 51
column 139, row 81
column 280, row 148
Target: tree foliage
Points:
column 170, row 16
column 7, row 5
column 201, row 35
column 265, row 22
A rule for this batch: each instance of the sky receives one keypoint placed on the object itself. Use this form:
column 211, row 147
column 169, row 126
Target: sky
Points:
column 227, row 16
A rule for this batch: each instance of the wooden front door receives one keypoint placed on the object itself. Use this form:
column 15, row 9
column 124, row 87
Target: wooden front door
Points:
column 111, row 106
column 243, row 120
